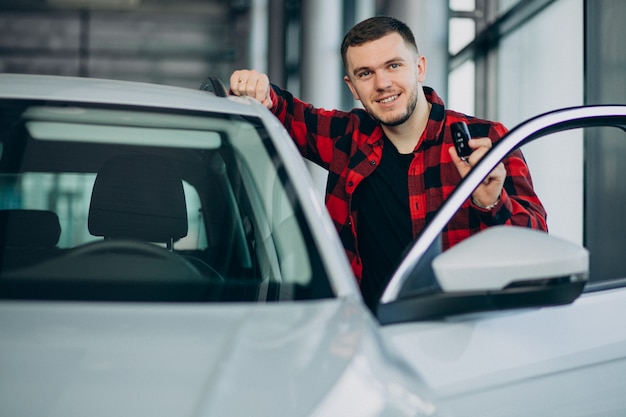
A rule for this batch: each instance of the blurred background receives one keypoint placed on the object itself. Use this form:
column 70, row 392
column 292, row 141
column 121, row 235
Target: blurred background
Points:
column 504, row 60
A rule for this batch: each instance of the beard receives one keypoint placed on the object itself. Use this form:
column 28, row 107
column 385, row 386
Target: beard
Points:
column 401, row 118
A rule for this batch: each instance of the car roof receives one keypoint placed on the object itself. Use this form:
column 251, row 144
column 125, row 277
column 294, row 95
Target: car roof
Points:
column 96, row 90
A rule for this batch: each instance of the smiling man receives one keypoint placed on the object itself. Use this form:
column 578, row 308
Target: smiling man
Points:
column 392, row 164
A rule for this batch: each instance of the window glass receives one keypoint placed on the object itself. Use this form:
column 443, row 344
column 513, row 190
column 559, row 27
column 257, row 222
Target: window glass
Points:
column 461, row 31
column 461, row 82
column 68, row 194
column 535, row 75
column 462, row 5
column 146, row 198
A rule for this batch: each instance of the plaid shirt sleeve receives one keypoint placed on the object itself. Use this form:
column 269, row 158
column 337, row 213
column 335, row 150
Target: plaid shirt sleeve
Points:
column 347, row 144
column 315, row 131
column 518, row 205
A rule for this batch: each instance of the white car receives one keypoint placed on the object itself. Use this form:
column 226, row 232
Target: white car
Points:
column 164, row 252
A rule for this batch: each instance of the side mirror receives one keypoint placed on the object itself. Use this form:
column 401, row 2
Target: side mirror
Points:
column 510, row 257
column 502, row 267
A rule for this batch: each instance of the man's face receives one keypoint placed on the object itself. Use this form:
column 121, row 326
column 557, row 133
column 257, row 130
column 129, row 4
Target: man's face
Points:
column 385, row 75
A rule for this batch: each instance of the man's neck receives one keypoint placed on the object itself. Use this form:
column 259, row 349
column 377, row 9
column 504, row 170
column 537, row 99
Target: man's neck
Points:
column 406, row 137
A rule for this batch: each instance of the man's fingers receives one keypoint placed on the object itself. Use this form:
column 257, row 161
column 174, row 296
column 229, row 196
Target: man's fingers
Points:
column 253, row 84
column 235, row 81
column 476, row 143
column 462, row 166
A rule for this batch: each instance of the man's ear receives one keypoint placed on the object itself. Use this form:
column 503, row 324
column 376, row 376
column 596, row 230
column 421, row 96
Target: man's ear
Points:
column 351, row 87
column 421, row 68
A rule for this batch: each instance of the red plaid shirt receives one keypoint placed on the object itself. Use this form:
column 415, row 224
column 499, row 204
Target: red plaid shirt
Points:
column 349, row 145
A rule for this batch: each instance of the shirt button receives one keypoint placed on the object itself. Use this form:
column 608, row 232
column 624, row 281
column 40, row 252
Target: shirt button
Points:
column 372, row 162
column 350, row 183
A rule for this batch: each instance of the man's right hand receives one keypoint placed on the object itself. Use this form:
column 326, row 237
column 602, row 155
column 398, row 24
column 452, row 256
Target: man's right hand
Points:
column 253, row 84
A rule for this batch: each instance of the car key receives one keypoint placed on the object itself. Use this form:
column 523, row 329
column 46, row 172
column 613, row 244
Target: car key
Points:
column 461, row 137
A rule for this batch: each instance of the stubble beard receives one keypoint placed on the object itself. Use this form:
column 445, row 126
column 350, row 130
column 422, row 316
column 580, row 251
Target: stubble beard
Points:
column 410, row 108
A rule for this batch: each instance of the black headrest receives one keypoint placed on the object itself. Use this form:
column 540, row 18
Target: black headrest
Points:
column 29, row 228
column 138, row 197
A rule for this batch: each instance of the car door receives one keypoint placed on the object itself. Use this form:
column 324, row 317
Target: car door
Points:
column 550, row 345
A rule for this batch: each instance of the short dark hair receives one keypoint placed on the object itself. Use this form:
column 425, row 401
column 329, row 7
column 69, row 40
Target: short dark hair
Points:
column 375, row 28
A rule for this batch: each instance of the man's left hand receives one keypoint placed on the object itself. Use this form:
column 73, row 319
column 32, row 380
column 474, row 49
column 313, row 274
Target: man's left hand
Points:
column 488, row 192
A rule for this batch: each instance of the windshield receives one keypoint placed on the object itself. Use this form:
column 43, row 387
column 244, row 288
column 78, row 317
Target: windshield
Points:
column 134, row 204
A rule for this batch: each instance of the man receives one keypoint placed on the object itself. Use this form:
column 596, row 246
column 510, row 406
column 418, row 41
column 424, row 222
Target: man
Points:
column 393, row 163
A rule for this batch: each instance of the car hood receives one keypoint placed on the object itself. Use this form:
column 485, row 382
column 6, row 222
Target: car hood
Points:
column 187, row 360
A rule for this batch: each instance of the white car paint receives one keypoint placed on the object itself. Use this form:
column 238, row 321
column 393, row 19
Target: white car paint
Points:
column 101, row 359
column 564, row 360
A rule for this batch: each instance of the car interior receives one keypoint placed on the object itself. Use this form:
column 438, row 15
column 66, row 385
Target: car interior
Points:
column 113, row 220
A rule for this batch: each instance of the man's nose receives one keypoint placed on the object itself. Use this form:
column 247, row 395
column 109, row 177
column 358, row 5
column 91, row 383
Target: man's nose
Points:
column 382, row 80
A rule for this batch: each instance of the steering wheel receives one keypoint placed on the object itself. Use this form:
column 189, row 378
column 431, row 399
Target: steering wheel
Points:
column 126, row 246
column 144, row 249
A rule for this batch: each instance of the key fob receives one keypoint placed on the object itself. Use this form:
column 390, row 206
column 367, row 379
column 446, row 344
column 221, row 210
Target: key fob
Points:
column 461, row 137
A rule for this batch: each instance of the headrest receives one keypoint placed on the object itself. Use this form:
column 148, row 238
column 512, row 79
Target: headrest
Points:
column 29, row 228
column 138, row 197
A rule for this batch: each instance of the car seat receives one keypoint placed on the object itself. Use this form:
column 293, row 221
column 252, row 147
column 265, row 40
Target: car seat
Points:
column 27, row 236
column 138, row 196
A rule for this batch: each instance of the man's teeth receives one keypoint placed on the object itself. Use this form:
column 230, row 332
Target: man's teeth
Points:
column 388, row 99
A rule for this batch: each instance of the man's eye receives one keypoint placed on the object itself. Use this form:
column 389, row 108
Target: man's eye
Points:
column 394, row 66
column 363, row 74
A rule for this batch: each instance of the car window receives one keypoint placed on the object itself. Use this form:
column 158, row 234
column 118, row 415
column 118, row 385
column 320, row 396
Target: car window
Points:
column 583, row 195
column 581, row 252
column 582, row 202
column 110, row 203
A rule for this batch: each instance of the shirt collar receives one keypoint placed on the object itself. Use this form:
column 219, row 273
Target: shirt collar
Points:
column 436, row 119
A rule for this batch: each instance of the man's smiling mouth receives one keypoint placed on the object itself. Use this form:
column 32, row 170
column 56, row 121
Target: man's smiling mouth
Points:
column 388, row 100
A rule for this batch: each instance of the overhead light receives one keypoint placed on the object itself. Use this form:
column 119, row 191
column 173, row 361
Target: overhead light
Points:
column 94, row 3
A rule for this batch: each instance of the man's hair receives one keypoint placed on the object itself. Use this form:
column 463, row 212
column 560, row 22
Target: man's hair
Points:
column 375, row 28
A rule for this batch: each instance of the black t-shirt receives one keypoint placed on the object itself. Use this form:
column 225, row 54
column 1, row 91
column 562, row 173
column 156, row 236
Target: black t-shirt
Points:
column 384, row 221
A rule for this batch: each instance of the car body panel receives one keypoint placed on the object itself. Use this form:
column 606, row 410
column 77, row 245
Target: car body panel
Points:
column 569, row 359
column 78, row 359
